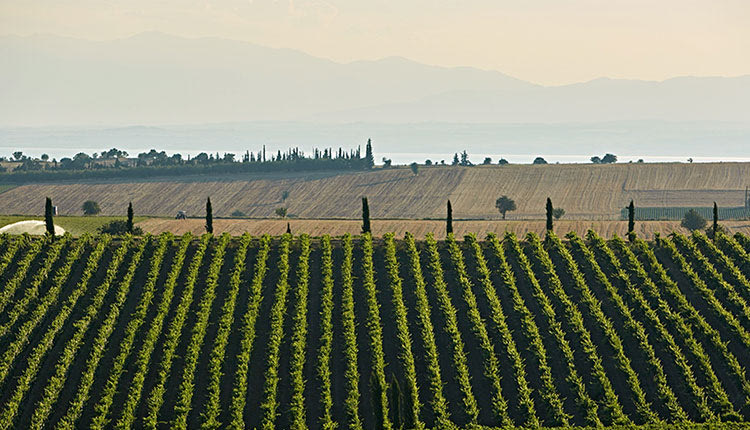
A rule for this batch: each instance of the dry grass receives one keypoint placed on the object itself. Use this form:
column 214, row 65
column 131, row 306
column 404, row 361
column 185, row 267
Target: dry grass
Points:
column 419, row 228
column 585, row 191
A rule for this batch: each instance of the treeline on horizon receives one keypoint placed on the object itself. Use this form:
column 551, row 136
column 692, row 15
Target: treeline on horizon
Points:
column 110, row 164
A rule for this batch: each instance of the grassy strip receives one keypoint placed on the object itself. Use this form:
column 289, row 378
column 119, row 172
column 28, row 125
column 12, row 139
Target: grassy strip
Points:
column 451, row 329
column 185, row 395
column 439, row 403
column 211, row 407
column 557, row 415
column 700, row 400
column 239, row 392
column 497, row 315
column 612, row 408
column 645, row 413
column 402, row 328
column 718, row 395
column 299, row 337
column 351, row 373
column 587, row 406
column 676, row 413
column 270, row 404
column 326, row 336
column 57, row 381
column 171, row 339
column 32, row 290
column 707, row 293
column 491, row 363
column 10, row 286
column 100, row 343
column 375, row 332
column 104, row 404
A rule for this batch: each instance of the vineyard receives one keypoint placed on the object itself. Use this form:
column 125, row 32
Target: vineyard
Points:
column 355, row 332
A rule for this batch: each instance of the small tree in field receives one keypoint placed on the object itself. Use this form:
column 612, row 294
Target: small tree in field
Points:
column 48, row 221
column 414, row 168
column 693, row 220
column 90, row 207
column 129, row 224
column 449, row 220
column 365, row 216
column 558, row 213
column 209, row 217
column 281, row 212
column 505, row 204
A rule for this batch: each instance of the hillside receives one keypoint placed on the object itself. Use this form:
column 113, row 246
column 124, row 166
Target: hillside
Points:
column 283, row 332
column 585, row 191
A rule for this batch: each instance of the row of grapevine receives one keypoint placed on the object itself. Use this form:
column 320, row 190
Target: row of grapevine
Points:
column 239, row 391
column 491, row 364
column 12, row 250
column 497, row 315
column 172, row 337
column 708, row 295
column 106, row 329
column 594, row 308
column 556, row 414
column 605, row 253
column 299, row 337
column 735, row 251
column 375, row 334
column 612, row 409
column 185, row 394
column 32, row 289
column 636, row 329
column 55, row 384
column 11, row 285
column 588, row 407
column 351, row 352
column 451, row 329
column 719, row 396
column 402, row 328
column 269, row 405
column 724, row 264
column 212, row 407
column 743, row 240
column 326, row 335
column 695, row 319
column 707, row 271
column 427, row 334
column 105, row 401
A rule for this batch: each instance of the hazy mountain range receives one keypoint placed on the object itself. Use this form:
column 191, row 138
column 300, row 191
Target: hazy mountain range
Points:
column 154, row 78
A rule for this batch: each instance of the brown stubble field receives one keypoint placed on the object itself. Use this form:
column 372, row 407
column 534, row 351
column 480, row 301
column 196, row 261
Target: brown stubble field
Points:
column 317, row 227
column 585, row 191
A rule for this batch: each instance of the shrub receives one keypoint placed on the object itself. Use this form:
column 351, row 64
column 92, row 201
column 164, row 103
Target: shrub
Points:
column 118, row 227
column 414, row 168
column 540, row 160
column 693, row 220
column 90, row 207
column 238, row 213
column 281, row 212
column 558, row 213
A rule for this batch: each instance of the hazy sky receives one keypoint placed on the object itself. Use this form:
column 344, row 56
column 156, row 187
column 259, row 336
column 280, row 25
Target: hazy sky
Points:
column 544, row 41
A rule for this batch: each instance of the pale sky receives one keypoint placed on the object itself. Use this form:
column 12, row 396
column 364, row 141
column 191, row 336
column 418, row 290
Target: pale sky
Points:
column 544, row 41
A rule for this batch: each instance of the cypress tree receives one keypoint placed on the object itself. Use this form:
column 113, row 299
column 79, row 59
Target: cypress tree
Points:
column 396, row 404
column 631, row 221
column 129, row 225
column 716, row 220
column 48, row 221
column 365, row 216
column 449, row 220
column 549, row 214
column 288, row 229
column 209, row 217
column 369, row 159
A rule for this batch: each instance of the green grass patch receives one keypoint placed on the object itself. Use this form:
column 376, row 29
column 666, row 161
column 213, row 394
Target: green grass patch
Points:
column 76, row 225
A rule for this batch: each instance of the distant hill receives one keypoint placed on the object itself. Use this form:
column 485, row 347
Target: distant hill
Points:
column 154, row 78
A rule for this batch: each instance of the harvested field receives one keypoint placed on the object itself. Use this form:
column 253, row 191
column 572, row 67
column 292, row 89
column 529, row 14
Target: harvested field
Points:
column 585, row 191
column 419, row 228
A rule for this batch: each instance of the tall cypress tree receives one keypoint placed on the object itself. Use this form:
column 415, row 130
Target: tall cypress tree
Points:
column 369, row 159
column 209, row 217
column 449, row 220
column 631, row 221
column 288, row 229
column 549, row 214
column 365, row 216
column 129, row 224
column 48, row 221
column 716, row 220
